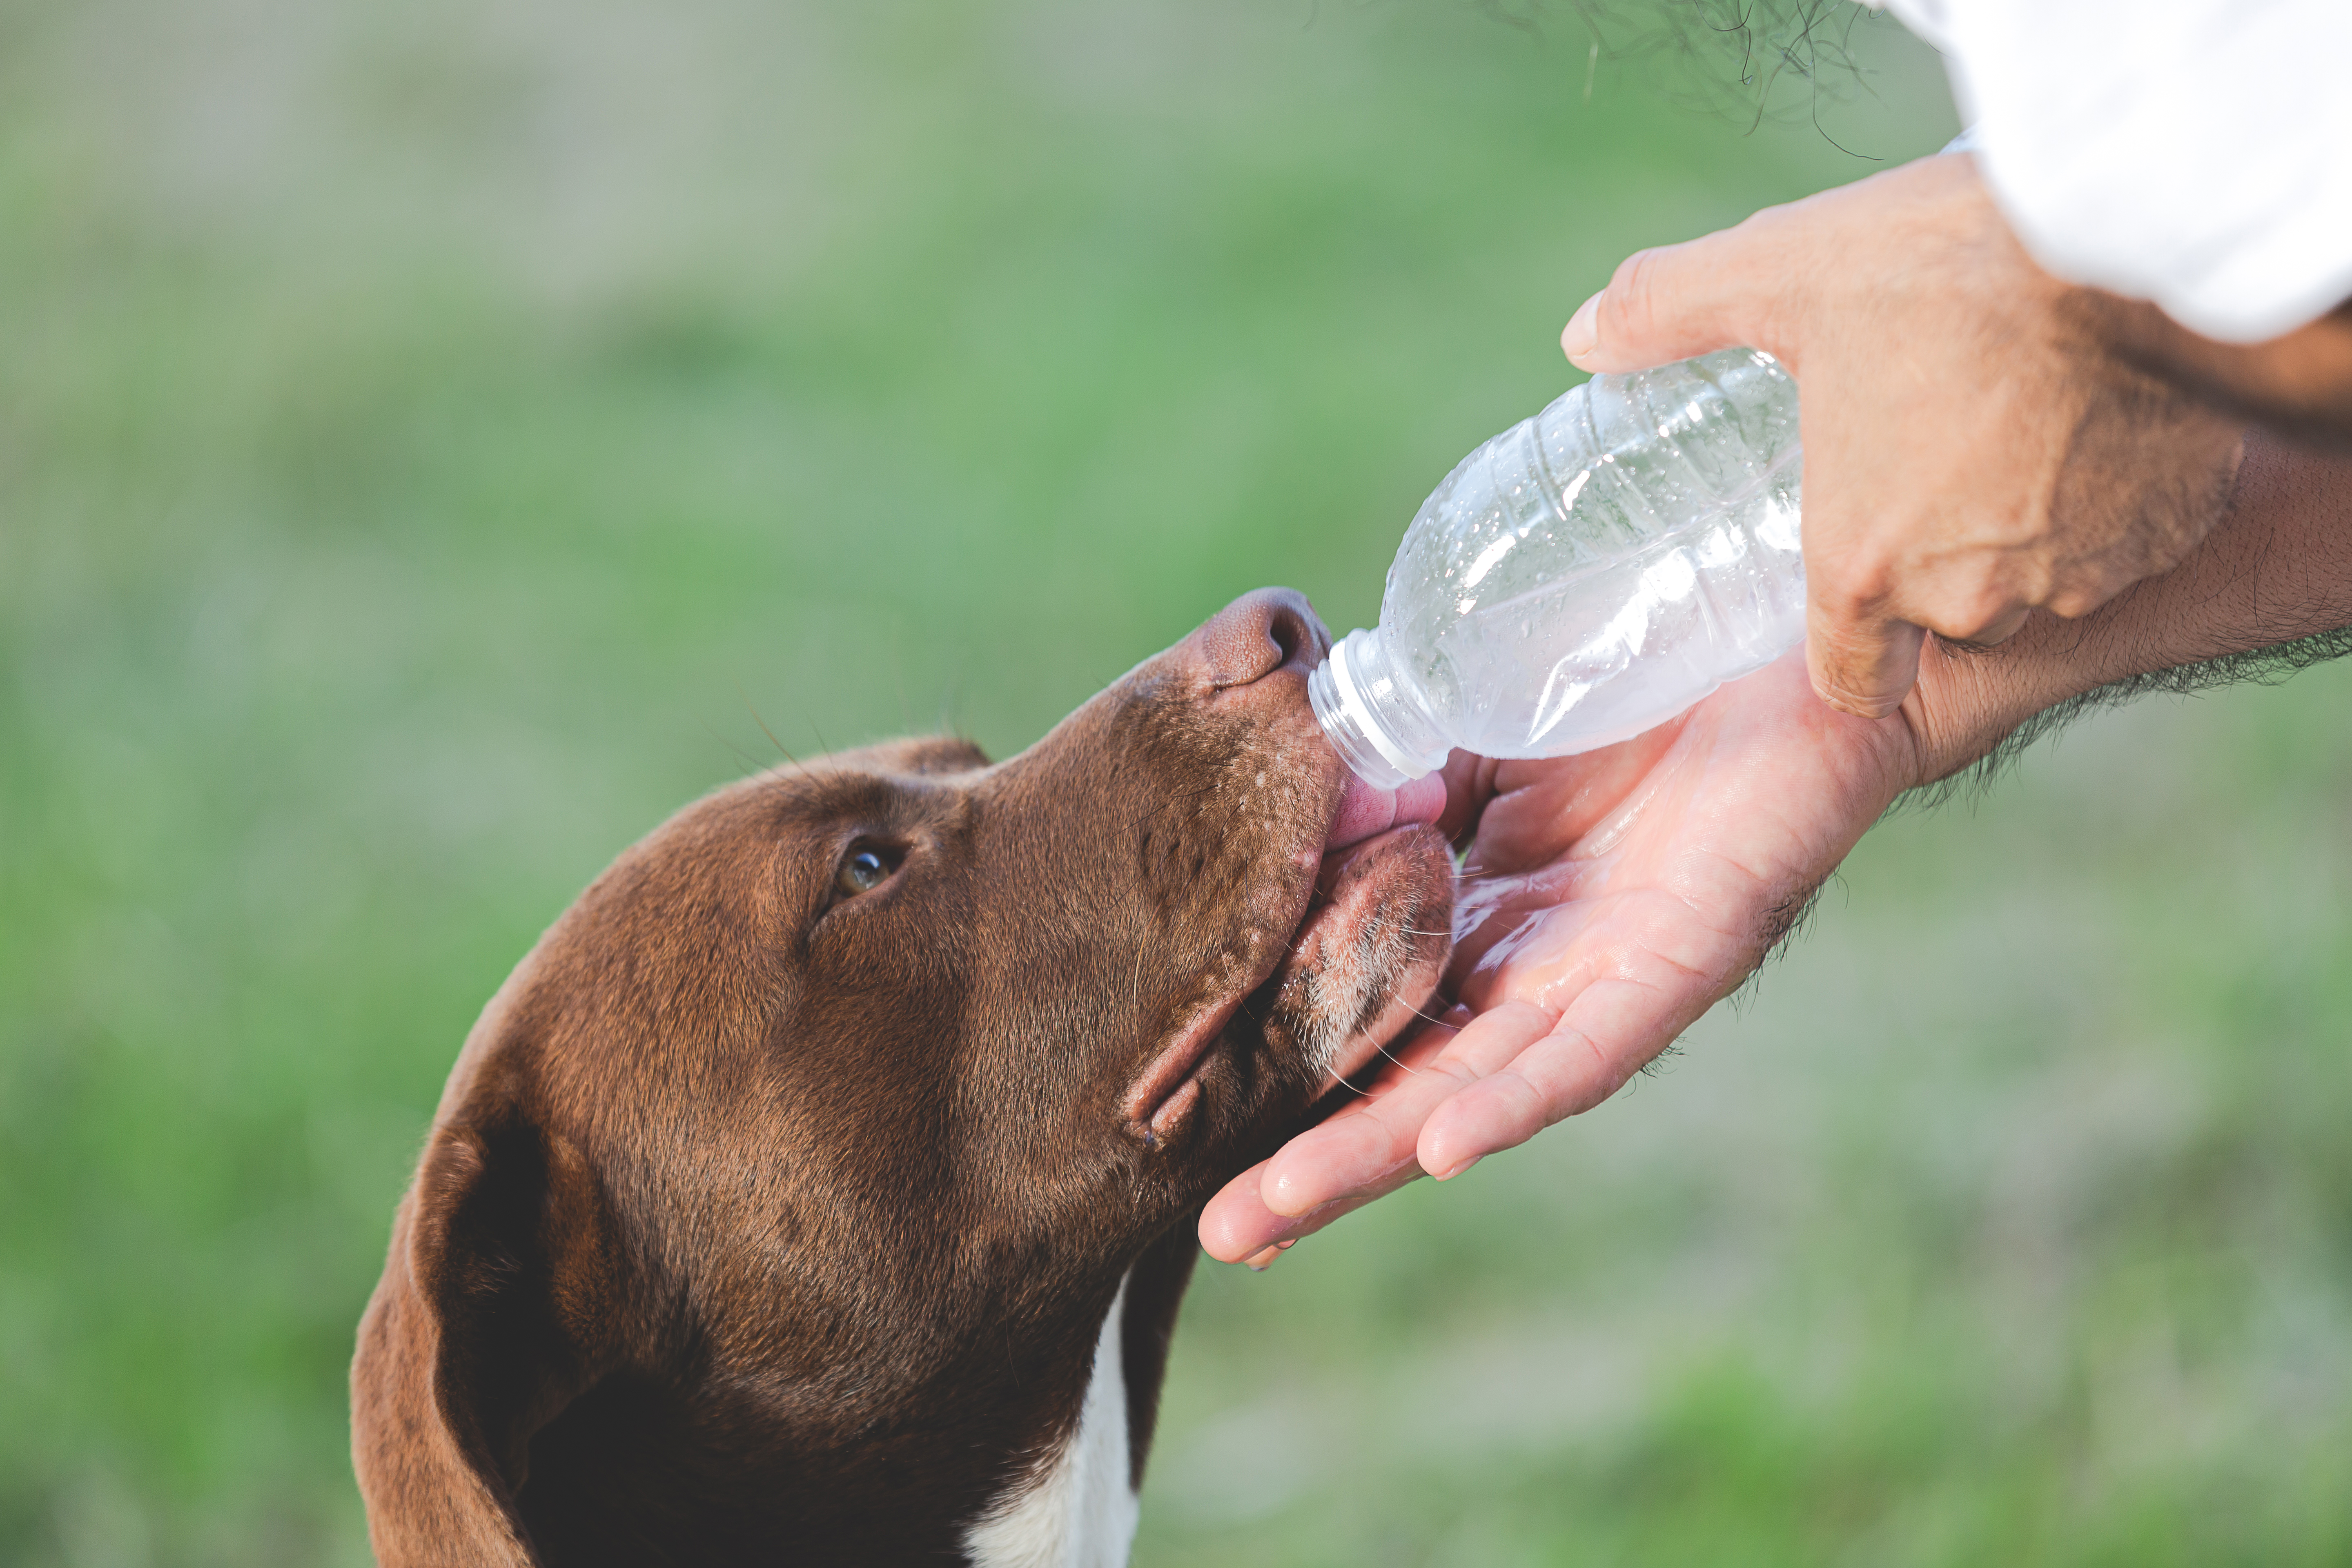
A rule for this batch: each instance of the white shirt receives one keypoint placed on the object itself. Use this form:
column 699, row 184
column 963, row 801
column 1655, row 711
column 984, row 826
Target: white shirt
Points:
column 2195, row 153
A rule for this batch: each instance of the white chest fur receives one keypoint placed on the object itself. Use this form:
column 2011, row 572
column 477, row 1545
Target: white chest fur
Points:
column 1078, row 1509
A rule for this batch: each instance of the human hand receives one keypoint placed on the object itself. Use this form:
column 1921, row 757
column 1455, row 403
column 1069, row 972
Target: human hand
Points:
column 1620, row 894
column 1609, row 899
column 1976, row 445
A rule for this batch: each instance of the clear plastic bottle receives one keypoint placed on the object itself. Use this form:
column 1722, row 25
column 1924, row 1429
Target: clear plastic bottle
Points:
column 1586, row 574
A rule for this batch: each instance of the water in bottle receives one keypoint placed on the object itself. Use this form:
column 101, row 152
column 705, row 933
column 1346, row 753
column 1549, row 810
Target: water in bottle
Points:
column 1586, row 574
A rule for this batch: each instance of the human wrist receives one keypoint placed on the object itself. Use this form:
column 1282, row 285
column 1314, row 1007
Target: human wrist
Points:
column 1969, row 698
column 2276, row 570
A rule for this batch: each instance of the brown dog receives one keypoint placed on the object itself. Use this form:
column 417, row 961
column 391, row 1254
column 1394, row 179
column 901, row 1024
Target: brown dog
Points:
column 821, row 1188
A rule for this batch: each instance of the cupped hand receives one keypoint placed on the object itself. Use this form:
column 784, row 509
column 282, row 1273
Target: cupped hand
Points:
column 1977, row 440
column 1609, row 899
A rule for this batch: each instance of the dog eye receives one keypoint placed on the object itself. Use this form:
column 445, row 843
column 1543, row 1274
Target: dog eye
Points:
column 865, row 868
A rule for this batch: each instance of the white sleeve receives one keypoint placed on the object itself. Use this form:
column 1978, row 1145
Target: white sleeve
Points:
column 2195, row 153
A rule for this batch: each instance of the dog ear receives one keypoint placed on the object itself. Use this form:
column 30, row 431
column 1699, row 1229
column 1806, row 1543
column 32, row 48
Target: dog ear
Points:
column 480, row 1332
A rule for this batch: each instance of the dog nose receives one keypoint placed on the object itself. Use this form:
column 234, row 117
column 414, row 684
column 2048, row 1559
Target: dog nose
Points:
column 1257, row 635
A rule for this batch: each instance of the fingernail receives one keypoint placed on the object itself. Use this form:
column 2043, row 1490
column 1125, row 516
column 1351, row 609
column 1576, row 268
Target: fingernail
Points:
column 1285, row 1246
column 1581, row 336
column 1462, row 1167
column 1260, row 1261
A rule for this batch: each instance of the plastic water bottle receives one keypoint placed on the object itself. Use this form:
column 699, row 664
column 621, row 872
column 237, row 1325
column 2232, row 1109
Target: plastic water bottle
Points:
column 1585, row 575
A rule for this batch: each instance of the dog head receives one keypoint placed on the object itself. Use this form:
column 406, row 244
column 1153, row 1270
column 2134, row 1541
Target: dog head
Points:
column 785, row 1184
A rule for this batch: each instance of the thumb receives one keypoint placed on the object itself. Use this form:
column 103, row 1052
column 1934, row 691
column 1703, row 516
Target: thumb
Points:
column 1861, row 664
column 1671, row 304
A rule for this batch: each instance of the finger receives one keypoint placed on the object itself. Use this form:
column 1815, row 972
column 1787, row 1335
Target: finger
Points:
column 1370, row 1148
column 1620, row 982
column 1330, row 1214
column 1602, row 1038
column 1861, row 664
column 1241, row 1223
column 1671, row 302
column 1369, row 1144
column 1238, row 1226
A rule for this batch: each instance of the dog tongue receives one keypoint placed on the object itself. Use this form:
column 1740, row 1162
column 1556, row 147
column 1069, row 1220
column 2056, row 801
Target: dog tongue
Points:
column 1365, row 811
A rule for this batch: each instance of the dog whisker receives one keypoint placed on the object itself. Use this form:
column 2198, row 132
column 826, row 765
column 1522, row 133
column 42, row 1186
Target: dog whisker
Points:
column 1428, row 1018
column 780, row 746
column 750, row 762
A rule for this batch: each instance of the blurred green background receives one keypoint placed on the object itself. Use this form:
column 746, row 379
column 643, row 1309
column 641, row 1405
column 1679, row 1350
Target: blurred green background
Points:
column 438, row 439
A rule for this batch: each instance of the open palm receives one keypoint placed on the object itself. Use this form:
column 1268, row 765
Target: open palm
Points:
column 1609, row 899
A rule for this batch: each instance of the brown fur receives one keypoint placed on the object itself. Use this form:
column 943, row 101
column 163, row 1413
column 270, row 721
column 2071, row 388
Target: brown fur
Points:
column 764, row 1220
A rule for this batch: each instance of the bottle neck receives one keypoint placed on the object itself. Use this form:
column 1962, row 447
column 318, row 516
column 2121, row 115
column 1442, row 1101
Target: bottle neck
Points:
column 1375, row 720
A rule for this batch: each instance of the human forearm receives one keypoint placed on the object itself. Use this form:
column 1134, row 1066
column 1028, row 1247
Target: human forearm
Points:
column 2276, row 570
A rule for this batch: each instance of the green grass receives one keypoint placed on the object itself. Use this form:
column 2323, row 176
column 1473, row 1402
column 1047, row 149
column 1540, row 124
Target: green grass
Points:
column 436, row 440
